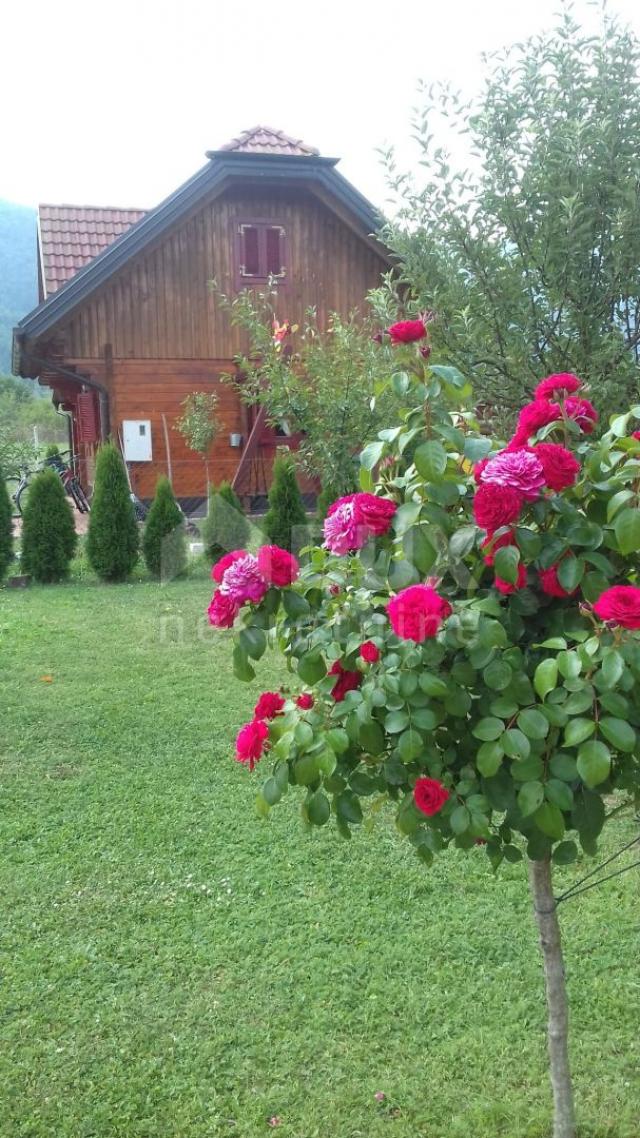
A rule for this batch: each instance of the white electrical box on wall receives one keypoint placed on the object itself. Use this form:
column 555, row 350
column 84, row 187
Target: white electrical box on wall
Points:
column 136, row 440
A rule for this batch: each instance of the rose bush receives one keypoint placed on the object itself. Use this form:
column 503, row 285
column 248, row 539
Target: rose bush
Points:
column 498, row 586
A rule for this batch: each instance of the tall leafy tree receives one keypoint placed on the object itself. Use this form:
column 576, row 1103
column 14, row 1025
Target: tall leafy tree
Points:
column 48, row 530
column 112, row 540
column 530, row 256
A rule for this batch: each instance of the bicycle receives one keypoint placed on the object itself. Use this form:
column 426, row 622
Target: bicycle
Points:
column 69, row 479
column 16, row 485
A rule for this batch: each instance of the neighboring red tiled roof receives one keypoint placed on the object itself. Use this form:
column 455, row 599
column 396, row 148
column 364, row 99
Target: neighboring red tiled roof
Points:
column 71, row 236
column 265, row 140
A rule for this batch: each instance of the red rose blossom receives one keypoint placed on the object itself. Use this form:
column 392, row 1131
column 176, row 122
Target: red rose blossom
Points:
column 218, row 571
column 346, row 681
column 477, row 470
column 493, row 544
column 277, row 566
column 620, row 605
column 370, row 652
column 407, row 331
column 636, row 435
column 583, row 413
column 532, row 418
column 430, row 795
column 223, row 610
column 561, row 468
column 251, row 741
column 417, row 612
column 495, row 506
column 269, row 705
column 550, row 584
column 375, row 513
column 305, row 701
column 508, row 587
column 565, row 383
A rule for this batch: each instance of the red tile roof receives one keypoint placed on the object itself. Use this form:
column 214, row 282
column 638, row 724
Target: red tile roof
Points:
column 71, row 236
column 266, row 140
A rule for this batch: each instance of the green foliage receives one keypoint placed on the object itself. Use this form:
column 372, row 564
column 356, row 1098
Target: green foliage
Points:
column 6, row 528
column 328, row 494
column 24, row 416
column 225, row 527
column 530, row 258
column 48, row 530
column 326, row 382
column 52, row 451
column 163, row 540
column 198, row 423
column 112, row 540
column 285, row 522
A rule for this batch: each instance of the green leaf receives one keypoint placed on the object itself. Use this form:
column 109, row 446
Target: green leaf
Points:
column 530, row 797
column 311, row 667
column 410, row 745
column 418, row 549
column 559, row 793
column 305, row 770
column 497, row 675
column 462, row 541
column 371, row 455
column 271, row 792
column 570, row 572
column 476, row 447
column 549, row 819
column 506, row 562
column 430, row 460
column 489, row 758
column 488, row 729
column 534, row 724
column 627, row 531
column 545, row 677
column 348, row 807
column 371, row 737
column 303, row 735
column 565, row 853
column 406, row 516
column 619, row 733
column 564, row 767
column 318, row 809
column 611, row 670
column 396, row 721
column 594, row 762
column 617, row 501
column 242, row 669
column 295, row 605
column 254, row 642
column 570, row 665
column 449, row 375
column 588, row 814
column 338, row 740
column 401, row 574
column 460, row 820
column 577, row 730
column 515, row 744
column 432, row 685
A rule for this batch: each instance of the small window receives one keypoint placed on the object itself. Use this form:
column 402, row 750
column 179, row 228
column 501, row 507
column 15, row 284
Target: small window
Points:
column 261, row 252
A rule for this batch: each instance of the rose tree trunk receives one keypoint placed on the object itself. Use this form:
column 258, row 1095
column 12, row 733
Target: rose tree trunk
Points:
column 558, row 1011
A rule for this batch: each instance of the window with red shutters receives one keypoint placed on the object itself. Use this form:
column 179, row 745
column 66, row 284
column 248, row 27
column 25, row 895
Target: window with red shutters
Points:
column 261, row 252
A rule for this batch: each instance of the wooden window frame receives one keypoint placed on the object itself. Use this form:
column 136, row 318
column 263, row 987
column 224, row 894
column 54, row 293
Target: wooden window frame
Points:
column 246, row 280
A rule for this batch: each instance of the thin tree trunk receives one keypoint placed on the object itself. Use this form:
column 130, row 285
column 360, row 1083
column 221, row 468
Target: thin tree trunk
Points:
column 544, row 905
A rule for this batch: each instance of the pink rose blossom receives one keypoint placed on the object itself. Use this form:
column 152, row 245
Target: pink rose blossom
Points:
column 353, row 519
column 243, row 581
column 223, row 610
column 518, row 469
column 583, row 413
column 221, row 566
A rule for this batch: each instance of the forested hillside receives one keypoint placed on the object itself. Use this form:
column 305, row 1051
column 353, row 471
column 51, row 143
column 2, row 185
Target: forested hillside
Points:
column 18, row 272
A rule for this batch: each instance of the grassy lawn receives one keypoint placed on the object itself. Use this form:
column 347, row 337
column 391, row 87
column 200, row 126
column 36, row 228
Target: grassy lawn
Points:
column 174, row 968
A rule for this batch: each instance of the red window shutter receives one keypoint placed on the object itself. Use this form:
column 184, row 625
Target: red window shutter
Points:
column 250, row 251
column 87, row 418
column 274, row 252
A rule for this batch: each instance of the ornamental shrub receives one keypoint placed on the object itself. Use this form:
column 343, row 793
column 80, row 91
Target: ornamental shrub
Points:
column 499, row 586
column 112, row 540
column 48, row 530
column 285, row 522
column 225, row 527
column 6, row 528
column 163, row 541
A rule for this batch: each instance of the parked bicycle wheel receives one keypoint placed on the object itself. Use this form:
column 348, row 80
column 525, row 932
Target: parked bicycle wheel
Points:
column 16, row 488
column 78, row 495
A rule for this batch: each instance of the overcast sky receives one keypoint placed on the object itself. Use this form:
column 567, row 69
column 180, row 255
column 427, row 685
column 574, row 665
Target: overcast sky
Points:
column 115, row 103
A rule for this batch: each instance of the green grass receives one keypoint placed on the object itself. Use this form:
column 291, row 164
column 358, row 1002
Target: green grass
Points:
column 174, row 968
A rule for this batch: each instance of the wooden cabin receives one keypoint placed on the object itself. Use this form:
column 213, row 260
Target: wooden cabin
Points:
column 128, row 325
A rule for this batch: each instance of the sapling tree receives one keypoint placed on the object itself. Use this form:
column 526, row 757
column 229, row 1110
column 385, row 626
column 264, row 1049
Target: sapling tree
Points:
column 198, row 424
column 466, row 643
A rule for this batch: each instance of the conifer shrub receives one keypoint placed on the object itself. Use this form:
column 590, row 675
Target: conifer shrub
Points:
column 48, row 530
column 163, row 541
column 112, row 540
column 328, row 494
column 285, row 522
column 6, row 528
column 225, row 527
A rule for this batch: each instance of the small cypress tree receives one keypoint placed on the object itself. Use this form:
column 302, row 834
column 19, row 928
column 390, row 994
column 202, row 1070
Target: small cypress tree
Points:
column 225, row 526
column 48, row 530
column 163, row 544
column 328, row 494
column 112, row 540
column 6, row 528
column 285, row 522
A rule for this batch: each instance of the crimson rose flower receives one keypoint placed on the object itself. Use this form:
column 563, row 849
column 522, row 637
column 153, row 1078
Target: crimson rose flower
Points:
column 430, row 795
column 251, row 742
column 565, row 383
column 583, row 412
column 636, row 435
column 369, row 652
column 375, row 513
column 532, row 418
column 620, row 605
column 417, row 612
column 478, row 469
column 550, row 584
column 493, row 544
column 305, row 701
column 277, row 566
column 223, row 610
column 495, row 506
column 346, row 681
column 507, row 587
column 269, row 705
column 407, row 331
column 218, row 571
column 561, row 468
